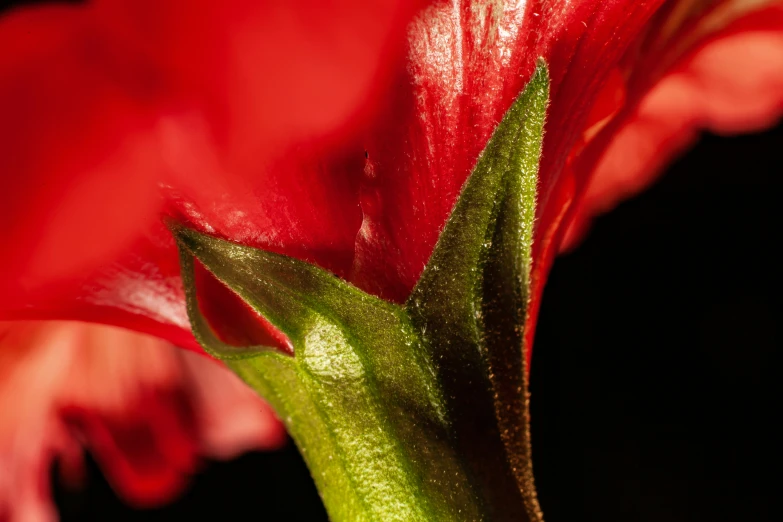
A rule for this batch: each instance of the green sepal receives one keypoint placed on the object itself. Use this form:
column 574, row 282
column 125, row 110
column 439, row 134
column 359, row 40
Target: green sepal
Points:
column 414, row 412
column 472, row 298
column 357, row 397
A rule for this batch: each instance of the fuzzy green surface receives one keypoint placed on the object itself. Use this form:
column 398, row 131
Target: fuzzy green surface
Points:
column 414, row 412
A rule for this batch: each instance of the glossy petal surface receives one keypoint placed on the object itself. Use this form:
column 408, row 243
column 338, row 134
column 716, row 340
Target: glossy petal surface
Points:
column 467, row 62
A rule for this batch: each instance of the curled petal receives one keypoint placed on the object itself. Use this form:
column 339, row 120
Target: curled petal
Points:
column 729, row 82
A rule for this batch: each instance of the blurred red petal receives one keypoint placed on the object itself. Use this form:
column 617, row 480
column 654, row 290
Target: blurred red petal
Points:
column 147, row 411
column 64, row 90
column 236, row 109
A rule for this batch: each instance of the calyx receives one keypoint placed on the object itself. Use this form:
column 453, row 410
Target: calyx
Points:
column 416, row 411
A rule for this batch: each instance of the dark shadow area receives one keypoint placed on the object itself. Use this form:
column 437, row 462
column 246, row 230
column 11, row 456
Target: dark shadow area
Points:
column 6, row 5
column 273, row 486
column 657, row 361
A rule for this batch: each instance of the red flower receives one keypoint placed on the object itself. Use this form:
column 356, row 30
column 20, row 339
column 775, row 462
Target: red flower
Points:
column 146, row 410
column 224, row 114
column 266, row 126
column 312, row 131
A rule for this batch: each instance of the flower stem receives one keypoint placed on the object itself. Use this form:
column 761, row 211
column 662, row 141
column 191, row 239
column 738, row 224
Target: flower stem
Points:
column 416, row 411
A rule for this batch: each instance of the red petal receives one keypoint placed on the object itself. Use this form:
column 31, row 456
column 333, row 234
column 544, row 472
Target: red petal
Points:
column 467, row 64
column 64, row 91
column 146, row 410
column 678, row 29
column 245, row 112
column 729, row 82
column 277, row 88
column 239, row 110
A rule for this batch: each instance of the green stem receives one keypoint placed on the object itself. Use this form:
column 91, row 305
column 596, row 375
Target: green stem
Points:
column 414, row 412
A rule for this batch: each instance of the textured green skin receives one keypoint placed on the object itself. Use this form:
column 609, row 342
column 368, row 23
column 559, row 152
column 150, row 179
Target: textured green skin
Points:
column 414, row 412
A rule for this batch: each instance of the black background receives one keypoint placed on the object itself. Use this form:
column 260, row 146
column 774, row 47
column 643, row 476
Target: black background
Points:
column 655, row 377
